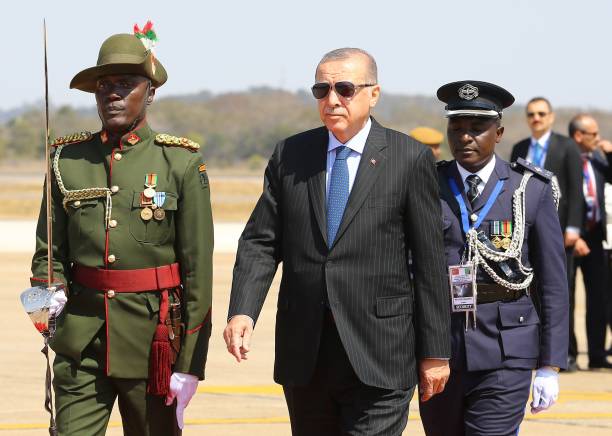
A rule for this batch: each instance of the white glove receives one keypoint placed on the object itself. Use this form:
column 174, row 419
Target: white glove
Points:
column 182, row 387
column 545, row 389
column 57, row 303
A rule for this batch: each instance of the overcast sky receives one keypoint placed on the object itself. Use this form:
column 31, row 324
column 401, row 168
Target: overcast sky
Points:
column 560, row 49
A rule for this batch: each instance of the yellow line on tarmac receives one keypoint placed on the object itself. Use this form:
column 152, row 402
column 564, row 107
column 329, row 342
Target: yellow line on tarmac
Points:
column 285, row 420
column 275, row 390
column 250, row 389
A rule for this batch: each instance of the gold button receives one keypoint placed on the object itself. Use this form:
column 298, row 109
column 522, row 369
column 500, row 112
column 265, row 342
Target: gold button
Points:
column 110, row 293
column 118, row 156
column 77, row 203
column 112, row 223
column 114, row 189
column 111, row 258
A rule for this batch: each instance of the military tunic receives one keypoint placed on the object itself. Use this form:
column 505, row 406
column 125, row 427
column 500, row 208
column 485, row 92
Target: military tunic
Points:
column 83, row 234
column 491, row 364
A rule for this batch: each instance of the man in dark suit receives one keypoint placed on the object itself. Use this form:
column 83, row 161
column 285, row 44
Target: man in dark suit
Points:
column 495, row 347
column 559, row 155
column 588, row 250
column 341, row 207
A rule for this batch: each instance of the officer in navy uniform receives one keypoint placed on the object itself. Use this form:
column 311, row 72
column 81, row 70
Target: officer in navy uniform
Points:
column 502, row 219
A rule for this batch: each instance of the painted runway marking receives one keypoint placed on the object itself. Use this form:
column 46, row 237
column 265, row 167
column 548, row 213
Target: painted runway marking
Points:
column 277, row 391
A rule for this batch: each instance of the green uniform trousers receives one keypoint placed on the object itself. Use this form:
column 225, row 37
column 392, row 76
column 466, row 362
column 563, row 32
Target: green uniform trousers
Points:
column 84, row 399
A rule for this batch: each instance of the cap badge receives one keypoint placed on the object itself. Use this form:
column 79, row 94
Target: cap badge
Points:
column 468, row 92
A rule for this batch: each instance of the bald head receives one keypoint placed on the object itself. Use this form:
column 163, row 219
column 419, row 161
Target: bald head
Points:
column 583, row 129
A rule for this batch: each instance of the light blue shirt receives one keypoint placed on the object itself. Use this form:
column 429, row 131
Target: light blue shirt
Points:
column 356, row 144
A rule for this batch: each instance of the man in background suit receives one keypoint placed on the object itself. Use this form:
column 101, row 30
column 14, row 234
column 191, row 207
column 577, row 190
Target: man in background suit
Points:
column 558, row 154
column 588, row 250
column 341, row 207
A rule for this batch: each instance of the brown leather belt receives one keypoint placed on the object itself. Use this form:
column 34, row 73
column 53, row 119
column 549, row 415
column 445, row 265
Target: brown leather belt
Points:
column 130, row 280
column 489, row 293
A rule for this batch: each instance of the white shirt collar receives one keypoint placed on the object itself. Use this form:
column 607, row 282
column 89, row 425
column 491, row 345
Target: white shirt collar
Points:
column 356, row 143
column 484, row 173
column 543, row 140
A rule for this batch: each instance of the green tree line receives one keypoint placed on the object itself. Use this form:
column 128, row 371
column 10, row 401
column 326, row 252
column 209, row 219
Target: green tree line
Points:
column 238, row 127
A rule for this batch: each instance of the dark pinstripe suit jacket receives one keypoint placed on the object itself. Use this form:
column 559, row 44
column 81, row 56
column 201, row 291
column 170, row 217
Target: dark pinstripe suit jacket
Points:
column 385, row 322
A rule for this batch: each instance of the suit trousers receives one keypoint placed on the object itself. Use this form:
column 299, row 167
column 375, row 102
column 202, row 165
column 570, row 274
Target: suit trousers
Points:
column 336, row 402
column 572, row 351
column 598, row 293
column 478, row 403
column 84, row 399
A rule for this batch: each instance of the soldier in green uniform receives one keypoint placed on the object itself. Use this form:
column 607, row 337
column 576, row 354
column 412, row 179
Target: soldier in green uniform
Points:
column 132, row 243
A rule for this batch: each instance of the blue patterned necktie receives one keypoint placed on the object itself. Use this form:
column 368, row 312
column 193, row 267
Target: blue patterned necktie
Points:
column 338, row 193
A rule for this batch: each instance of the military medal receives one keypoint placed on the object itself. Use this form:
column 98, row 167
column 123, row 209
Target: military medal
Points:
column 158, row 201
column 145, row 201
column 501, row 234
column 150, row 184
column 146, row 214
column 159, row 214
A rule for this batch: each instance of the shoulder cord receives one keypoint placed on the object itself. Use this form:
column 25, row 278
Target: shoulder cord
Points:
column 556, row 191
column 81, row 194
column 481, row 255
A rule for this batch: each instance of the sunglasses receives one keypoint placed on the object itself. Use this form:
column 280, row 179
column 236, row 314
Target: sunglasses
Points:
column 343, row 89
column 540, row 114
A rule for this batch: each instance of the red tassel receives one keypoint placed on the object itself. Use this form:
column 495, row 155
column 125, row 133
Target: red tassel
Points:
column 160, row 365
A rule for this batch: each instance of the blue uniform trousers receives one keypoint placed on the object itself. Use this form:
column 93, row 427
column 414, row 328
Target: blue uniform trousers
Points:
column 478, row 403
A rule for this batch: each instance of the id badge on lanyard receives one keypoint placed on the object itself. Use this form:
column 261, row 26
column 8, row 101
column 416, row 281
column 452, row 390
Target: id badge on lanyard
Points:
column 462, row 279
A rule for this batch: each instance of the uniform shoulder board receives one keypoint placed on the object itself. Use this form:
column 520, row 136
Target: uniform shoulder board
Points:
column 521, row 165
column 71, row 139
column 175, row 141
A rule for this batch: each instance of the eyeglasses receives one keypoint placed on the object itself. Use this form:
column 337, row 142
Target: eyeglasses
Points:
column 596, row 133
column 540, row 114
column 343, row 89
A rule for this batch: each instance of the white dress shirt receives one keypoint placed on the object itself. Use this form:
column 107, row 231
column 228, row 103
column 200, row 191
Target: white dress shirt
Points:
column 356, row 144
column 542, row 141
column 484, row 174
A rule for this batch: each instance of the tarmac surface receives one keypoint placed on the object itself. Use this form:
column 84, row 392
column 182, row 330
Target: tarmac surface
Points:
column 235, row 399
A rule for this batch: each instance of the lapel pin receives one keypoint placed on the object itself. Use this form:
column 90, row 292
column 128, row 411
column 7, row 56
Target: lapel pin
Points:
column 373, row 162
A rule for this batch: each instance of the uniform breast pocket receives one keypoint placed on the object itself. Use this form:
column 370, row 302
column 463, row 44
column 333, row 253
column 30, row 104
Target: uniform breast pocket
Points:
column 155, row 228
column 84, row 218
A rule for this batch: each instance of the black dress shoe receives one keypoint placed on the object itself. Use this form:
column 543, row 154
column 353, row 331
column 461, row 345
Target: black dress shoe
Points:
column 572, row 365
column 605, row 365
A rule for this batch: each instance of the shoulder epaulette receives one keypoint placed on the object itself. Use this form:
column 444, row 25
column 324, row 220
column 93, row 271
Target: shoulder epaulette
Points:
column 521, row 165
column 71, row 139
column 175, row 141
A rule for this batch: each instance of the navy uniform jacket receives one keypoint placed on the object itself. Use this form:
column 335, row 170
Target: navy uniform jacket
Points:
column 511, row 334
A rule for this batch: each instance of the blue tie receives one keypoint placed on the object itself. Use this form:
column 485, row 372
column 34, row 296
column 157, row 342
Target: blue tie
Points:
column 338, row 193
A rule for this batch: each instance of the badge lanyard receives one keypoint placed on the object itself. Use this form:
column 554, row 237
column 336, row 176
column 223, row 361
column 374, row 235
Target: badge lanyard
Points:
column 465, row 223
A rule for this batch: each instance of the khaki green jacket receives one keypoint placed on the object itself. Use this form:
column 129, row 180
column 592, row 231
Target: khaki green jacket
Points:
column 80, row 235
